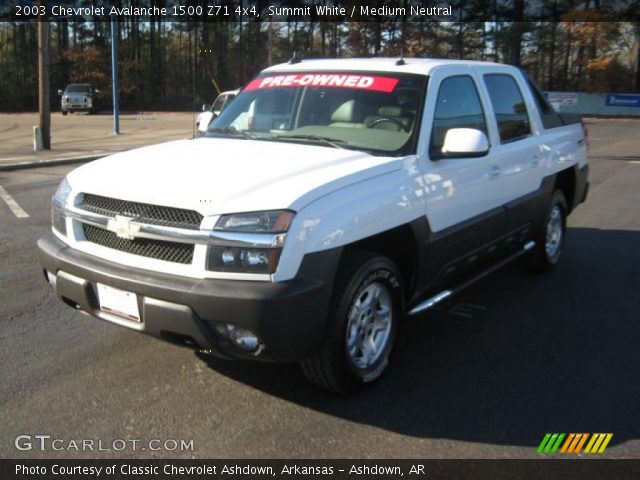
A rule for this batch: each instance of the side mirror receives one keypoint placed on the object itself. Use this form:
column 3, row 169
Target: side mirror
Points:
column 205, row 107
column 465, row 142
column 60, row 92
column 204, row 121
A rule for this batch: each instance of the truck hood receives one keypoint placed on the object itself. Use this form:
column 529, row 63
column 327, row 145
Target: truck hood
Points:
column 220, row 175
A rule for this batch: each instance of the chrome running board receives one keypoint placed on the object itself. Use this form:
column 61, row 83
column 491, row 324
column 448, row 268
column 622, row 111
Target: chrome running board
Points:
column 432, row 301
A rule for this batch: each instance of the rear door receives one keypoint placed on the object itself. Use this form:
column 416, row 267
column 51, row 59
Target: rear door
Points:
column 519, row 154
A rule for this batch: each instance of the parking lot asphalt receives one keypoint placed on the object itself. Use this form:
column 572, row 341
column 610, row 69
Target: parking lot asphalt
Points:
column 81, row 137
column 485, row 376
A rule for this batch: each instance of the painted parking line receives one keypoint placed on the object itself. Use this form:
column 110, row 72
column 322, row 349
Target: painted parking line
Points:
column 12, row 204
column 635, row 162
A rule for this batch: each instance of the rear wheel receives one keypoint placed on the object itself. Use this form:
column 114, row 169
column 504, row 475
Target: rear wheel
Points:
column 64, row 112
column 364, row 317
column 550, row 242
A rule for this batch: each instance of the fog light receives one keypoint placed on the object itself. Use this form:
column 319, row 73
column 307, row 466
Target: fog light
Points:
column 245, row 340
column 242, row 338
column 224, row 330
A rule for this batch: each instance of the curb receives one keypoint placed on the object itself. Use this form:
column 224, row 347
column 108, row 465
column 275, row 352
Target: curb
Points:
column 49, row 163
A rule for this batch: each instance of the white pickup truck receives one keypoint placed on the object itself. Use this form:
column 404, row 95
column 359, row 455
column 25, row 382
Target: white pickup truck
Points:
column 332, row 200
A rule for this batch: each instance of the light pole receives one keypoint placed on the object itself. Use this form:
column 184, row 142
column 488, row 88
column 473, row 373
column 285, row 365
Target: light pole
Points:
column 114, row 78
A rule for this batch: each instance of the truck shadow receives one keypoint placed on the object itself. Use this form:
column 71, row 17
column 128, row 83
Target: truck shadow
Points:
column 511, row 358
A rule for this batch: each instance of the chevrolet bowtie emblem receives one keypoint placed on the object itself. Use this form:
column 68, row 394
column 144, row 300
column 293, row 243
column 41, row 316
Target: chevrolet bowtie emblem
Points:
column 122, row 227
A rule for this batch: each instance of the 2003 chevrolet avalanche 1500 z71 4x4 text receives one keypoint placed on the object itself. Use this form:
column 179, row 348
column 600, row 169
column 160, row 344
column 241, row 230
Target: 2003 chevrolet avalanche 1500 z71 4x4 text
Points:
column 332, row 199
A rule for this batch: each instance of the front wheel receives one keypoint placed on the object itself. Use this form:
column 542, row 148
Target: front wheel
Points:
column 364, row 317
column 550, row 242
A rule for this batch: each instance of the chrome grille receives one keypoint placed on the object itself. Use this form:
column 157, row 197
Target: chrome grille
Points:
column 142, row 212
column 158, row 249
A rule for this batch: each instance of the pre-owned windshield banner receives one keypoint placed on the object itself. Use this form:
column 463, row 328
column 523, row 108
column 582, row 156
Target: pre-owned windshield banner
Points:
column 335, row 80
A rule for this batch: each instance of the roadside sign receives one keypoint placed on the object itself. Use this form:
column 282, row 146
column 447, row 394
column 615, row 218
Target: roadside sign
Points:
column 562, row 98
column 623, row 100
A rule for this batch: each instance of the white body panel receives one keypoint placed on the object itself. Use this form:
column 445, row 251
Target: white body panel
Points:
column 354, row 212
column 215, row 176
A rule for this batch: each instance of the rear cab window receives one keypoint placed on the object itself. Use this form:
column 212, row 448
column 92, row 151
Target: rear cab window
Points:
column 550, row 118
column 509, row 107
column 376, row 112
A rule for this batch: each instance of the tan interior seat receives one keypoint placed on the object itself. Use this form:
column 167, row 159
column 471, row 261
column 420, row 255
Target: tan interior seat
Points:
column 391, row 114
column 345, row 116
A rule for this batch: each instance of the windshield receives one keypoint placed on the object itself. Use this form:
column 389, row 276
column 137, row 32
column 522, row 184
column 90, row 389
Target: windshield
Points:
column 80, row 88
column 373, row 112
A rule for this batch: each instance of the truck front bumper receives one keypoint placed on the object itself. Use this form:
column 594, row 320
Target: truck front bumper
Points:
column 288, row 317
column 77, row 108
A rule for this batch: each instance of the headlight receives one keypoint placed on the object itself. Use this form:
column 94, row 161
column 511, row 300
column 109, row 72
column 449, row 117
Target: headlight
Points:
column 57, row 207
column 249, row 259
column 275, row 221
column 243, row 260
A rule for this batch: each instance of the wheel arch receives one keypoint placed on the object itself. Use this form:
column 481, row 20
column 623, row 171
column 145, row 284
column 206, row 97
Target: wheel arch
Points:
column 566, row 183
column 400, row 245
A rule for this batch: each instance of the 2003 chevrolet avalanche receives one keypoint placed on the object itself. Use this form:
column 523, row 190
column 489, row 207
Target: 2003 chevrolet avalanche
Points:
column 329, row 201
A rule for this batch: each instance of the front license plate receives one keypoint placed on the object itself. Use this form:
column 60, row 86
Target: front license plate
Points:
column 118, row 302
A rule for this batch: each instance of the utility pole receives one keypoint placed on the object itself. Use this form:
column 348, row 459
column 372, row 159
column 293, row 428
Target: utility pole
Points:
column 270, row 43
column 114, row 78
column 43, row 84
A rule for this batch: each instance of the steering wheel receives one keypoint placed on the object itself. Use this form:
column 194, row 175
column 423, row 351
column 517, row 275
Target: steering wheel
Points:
column 397, row 123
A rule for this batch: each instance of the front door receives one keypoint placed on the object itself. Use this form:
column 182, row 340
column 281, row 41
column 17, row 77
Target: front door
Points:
column 464, row 196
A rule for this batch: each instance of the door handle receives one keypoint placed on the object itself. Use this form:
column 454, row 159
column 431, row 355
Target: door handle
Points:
column 494, row 172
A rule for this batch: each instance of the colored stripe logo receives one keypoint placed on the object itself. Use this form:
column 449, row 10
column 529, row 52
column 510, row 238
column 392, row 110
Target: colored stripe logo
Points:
column 574, row 443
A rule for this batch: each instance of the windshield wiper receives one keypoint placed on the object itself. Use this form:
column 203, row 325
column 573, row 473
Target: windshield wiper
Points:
column 232, row 131
column 332, row 142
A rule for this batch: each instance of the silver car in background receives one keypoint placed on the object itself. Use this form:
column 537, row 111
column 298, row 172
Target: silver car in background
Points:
column 78, row 97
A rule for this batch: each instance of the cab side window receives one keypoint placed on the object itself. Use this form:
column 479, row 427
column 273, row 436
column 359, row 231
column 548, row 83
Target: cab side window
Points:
column 509, row 107
column 458, row 106
column 218, row 105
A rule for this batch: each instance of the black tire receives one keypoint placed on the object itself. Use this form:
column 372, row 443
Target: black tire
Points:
column 64, row 112
column 361, row 276
column 541, row 258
